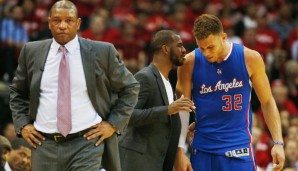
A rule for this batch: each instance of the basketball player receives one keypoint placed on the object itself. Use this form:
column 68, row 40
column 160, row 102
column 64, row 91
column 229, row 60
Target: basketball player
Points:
column 219, row 77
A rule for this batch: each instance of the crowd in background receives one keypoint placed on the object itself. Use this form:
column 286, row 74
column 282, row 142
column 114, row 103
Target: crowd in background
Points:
column 268, row 26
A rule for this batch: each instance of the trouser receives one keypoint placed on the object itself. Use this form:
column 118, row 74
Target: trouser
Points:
column 78, row 154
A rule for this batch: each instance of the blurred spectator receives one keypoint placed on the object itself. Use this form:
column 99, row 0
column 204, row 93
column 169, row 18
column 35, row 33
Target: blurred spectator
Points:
column 289, row 169
column 3, row 5
column 294, row 50
column 294, row 120
column 285, row 122
column 86, row 9
column 41, row 9
column 99, row 30
column 291, row 154
column 130, row 48
column 196, row 8
column 13, row 36
column 275, row 64
column 17, row 159
column 280, row 94
column 256, row 142
column 157, row 17
column 292, row 133
column 121, row 11
column 142, row 33
column 8, row 131
column 270, row 8
column 291, row 75
column 5, row 147
column 248, row 21
column 261, row 143
column 212, row 9
column 22, row 145
column 228, row 26
column 179, row 23
column 286, row 108
column 110, row 20
column 249, row 39
column 31, row 22
column 292, row 43
column 266, row 38
column 284, row 23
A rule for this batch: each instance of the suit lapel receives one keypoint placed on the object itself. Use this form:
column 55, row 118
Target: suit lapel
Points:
column 160, row 83
column 38, row 68
column 88, row 60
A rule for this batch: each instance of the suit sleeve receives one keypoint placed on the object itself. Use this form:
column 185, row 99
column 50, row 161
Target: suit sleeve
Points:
column 126, row 86
column 141, row 115
column 19, row 94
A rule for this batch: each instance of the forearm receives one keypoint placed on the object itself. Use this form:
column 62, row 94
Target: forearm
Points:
column 272, row 118
column 20, row 94
column 123, row 108
column 127, row 88
column 141, row 117
column 19, row 106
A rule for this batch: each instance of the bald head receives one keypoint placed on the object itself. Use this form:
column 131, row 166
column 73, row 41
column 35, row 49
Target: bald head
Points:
column 66, row 5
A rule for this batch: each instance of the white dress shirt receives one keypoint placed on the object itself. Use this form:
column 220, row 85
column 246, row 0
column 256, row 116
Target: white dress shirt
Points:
column 82, row 112
column 7, row 167
column 169, row 89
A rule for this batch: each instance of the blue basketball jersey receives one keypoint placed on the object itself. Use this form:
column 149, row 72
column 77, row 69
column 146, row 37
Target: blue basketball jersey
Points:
column 221, row 93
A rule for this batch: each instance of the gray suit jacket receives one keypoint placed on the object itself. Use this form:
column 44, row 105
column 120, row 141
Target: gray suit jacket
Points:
column 151, row 138
column 112, row 89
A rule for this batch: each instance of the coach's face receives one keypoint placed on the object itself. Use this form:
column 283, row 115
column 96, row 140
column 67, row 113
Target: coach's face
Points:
column 64, row 24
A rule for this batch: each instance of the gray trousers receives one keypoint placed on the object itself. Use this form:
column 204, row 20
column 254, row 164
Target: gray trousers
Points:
column 77, row 154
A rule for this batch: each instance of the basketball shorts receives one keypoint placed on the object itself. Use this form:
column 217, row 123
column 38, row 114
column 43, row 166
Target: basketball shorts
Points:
column 202, row 161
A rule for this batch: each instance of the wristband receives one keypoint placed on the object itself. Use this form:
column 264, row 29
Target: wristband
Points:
column 278, row 143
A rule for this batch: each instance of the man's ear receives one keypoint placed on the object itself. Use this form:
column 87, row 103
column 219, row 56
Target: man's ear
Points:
column 224, row 36
column 5, row 153
column 165, row 49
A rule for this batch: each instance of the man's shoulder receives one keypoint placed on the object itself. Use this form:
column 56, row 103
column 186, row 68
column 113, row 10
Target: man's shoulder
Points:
column 144, row 71
column 38, row 42
column 94, row 42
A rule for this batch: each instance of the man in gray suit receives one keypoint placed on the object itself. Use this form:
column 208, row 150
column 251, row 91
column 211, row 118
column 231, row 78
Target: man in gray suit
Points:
column 151, row 139
column 98, row 96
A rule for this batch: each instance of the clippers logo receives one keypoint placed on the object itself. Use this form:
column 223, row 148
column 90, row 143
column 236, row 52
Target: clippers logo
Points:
column 219, row 71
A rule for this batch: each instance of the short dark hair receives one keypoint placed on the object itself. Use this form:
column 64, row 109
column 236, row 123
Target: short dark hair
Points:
column 64, row 4
column 162, row 37
column 4, row 143
column 206, row 25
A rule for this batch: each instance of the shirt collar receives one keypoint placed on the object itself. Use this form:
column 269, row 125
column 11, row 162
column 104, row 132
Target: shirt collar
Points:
column 7, row 167
column 70, row 46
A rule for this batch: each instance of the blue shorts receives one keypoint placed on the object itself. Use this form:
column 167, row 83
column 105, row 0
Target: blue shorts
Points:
column 202, row 161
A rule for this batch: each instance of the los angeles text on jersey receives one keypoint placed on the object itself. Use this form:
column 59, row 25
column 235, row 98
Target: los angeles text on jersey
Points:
column 221, row 86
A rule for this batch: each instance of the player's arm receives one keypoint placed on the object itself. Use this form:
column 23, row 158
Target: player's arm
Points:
column 184, row 87
column 261, row 85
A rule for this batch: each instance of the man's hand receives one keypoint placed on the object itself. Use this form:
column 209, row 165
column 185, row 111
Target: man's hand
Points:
column 30, row 134
column 191, row 132
column 181, row 104
column 278, row 157
column 102, row 131
column 182, row 163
